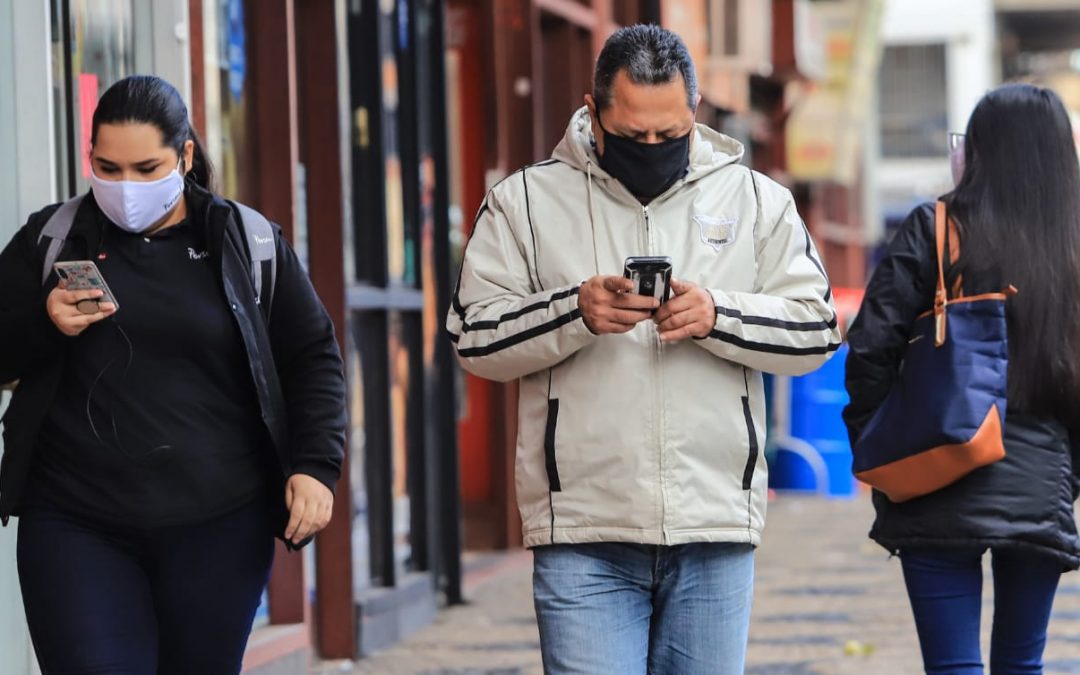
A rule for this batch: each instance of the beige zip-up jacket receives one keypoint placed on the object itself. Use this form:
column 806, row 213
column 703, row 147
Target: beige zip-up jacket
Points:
column 621, row 438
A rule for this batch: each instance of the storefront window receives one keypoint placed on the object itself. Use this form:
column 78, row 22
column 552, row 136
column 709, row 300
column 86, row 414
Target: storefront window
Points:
column 400, row 238
column 398, row 359
column 228, row 98
column 394, row 320
column 93, row 48
column 361, row 538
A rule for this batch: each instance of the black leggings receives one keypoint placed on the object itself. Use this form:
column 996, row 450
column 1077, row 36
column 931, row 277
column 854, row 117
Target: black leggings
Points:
column 172, row 600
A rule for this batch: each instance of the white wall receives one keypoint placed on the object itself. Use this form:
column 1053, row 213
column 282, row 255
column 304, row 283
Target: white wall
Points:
column 161, row 42
column 26, row 184
column 27, row 134
column 967, row 29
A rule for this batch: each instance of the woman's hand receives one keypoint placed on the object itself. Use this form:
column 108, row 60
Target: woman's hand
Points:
column 310, row 504
column 63, row 308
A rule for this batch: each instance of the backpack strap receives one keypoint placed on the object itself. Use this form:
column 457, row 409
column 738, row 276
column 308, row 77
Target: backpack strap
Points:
column 56, row 230
column 263, row 249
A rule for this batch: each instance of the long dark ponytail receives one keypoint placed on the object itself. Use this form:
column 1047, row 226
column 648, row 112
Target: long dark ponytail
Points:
column 151, row 100
column 1018, row 209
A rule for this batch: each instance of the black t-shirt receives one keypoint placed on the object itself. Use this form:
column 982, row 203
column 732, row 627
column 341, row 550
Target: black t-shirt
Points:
column 156, row 421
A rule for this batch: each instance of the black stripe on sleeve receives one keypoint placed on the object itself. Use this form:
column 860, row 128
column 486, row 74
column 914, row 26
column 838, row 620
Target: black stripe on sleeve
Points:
column 777, row 323
column 458, row 308
column 518, row 338
column 817, row 263
column 771, row 348
column 528, row 213
column 454, row 302
column 493, row 324
column 757, row 202
column 484, row 208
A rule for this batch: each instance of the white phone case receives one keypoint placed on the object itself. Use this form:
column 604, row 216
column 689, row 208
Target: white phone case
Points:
column 84, row 275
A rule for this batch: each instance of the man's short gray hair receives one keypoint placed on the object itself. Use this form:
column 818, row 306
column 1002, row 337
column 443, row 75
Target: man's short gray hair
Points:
column 650, row 55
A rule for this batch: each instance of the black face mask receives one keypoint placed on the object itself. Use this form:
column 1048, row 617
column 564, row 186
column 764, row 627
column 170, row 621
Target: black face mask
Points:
column 646, row 169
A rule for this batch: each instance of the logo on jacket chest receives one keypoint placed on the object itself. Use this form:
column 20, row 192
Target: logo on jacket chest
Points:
column 717, row 231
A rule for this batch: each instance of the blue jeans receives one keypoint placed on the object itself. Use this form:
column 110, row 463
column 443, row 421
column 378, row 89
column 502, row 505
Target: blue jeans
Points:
column 945, row 587
column 634, row 609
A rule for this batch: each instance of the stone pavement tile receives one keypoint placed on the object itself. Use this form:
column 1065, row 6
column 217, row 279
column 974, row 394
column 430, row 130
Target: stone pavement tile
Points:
column 827, row 602
column 493, row 634
column 830, row 602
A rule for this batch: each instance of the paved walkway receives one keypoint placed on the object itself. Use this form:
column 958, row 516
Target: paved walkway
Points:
column 827, row 602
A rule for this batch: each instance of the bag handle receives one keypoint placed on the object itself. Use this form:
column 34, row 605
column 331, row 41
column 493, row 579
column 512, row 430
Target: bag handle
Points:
column 941, row 295
column 946, row 227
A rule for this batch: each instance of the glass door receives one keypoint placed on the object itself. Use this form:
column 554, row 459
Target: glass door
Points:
column 93, row 47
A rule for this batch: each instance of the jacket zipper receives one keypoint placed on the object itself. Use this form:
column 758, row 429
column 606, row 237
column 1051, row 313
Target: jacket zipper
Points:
column 656, row 349
column 751, row 437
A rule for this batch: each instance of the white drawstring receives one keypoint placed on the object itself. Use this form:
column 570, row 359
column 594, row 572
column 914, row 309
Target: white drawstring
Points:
column 592, row 218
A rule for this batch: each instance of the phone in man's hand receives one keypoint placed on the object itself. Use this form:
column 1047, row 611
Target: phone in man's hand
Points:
column 84, row 275
column 651, row 275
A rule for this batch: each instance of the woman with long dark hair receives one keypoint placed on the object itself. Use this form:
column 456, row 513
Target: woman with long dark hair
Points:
column 155, row 445
column 1017, row 212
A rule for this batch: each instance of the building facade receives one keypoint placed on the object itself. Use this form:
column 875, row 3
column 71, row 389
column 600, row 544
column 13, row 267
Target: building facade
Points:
column 935, row 67
column 326, row 116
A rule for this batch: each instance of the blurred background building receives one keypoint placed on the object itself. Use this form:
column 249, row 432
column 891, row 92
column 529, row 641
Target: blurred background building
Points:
column 371, row 130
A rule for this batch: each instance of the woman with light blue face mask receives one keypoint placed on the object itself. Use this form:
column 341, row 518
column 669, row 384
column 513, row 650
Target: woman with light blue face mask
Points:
column 154, row 450
column 140, row 205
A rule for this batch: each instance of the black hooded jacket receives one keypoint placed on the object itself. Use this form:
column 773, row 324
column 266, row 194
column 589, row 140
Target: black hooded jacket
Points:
column 1024, row 501
column 293, row 358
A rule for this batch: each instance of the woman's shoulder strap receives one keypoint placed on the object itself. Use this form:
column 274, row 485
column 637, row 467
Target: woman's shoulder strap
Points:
column 55, row 233
column 262, row 246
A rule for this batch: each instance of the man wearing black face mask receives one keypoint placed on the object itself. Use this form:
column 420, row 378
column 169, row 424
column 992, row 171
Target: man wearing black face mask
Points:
column 640, row 479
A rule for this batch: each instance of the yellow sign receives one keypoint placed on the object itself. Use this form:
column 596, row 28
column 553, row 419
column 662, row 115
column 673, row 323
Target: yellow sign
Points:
column 824, row 131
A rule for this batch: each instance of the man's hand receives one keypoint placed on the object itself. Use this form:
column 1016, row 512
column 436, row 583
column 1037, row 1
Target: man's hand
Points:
column 63, row 308
column 609, row 305
column 310, row 504
column 691, row 313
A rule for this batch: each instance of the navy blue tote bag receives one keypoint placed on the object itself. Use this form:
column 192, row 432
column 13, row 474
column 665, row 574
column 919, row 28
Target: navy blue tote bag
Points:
column 944, row 416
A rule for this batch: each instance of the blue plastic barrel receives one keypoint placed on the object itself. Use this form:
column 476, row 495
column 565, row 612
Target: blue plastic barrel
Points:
column 817, row 400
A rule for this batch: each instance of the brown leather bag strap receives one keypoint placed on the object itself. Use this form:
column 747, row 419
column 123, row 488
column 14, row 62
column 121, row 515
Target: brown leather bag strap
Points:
column 941, row 297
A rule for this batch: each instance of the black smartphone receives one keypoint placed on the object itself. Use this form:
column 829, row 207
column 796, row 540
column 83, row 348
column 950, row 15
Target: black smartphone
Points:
column 651, row 275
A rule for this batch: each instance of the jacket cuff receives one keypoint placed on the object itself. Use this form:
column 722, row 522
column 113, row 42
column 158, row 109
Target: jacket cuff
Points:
column 326, row 474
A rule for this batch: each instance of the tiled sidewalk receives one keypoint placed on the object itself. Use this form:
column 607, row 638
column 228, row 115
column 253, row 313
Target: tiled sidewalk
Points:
column 828, row 602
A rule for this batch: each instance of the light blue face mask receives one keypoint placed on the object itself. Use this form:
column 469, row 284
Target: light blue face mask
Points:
column 136, row 206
